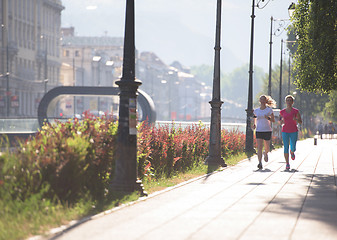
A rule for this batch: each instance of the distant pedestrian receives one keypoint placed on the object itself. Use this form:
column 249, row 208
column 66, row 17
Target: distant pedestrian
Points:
column 289, row 118
column 326, row 130
column 262, row 118
column 320, row 129
column 331, row 130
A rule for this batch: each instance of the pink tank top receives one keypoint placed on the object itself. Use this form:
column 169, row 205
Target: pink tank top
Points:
column 290, row 125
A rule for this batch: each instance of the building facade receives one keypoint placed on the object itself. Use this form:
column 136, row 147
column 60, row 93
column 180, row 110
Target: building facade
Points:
column 90, row 61
column 30, row 54
column 177, row 94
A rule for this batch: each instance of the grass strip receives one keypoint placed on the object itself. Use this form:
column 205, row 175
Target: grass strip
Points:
column 21, row 220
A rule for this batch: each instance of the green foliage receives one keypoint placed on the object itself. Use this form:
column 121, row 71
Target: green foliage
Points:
column 315, row 24
column 71, row 158
column 309, row 104
column 331, row 106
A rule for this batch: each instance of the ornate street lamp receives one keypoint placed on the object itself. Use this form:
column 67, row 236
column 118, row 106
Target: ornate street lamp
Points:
column 249, row 148
column 270, row 53
column 214, row 158
column 125, row 179
column 280, row 29
column 45, row 80
column 282, row 26
column 249, row 132
column 289, row 73
column 280, row 87
column 5, row 43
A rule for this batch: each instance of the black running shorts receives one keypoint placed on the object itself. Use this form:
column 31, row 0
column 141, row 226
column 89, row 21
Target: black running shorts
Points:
column 264, row 135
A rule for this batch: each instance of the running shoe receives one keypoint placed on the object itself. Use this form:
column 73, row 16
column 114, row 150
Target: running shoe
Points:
column 292, row 155
column 265, row 156
column 287, row 166
column 259, row 166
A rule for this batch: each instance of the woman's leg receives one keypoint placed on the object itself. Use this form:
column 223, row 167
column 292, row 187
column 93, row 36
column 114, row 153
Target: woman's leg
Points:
column 267, row 146
column 285, row 138
column 293, row 140
column 266, row 149
column 259, row 148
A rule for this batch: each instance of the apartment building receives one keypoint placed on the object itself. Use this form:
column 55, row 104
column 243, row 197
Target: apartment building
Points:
column 30, row 60
column 90, row 61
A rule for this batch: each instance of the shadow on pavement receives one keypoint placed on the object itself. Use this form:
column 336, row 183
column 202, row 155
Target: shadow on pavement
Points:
column 319, row 204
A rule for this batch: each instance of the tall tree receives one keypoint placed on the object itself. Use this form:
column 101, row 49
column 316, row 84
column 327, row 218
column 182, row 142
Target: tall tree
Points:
column 331, row 106
column 309, row 104
column 315, row 23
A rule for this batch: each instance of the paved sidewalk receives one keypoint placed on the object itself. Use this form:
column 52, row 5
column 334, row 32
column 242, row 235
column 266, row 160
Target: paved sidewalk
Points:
column 237, row 203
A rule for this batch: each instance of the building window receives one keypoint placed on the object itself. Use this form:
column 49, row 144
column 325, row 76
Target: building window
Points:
column 65, row 53
column 77, row 53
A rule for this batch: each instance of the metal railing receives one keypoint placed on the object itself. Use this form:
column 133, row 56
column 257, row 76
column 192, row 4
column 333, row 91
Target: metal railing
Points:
column 31, row 125
column 224, row 125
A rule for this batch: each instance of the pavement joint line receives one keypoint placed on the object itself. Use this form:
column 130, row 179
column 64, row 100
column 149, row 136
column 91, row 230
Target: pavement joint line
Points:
column 242, row 197
column 54, row 233
column 270, row 201
column 306, row 195
column 333, row 169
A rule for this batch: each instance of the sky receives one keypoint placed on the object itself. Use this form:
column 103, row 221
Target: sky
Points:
column 184, row 30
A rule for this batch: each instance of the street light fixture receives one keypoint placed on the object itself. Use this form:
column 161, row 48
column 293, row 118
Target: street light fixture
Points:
column 249, row 148
column 45, row 85
column 214, row 158
column 280, row 29
column 109, row 63
column 6, row 40
column 125, row 179
column 291, row 9
column 249, row 132
column 43, row 39
column 281, row 70
column 97, row 59
column 289, row 73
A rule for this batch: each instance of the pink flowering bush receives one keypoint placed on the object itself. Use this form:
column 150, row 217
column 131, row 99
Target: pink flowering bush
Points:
column 69, row 160
column 163, row 151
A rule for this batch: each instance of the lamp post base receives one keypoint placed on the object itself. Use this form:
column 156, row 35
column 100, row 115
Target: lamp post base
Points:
column 215, row 161
column 249, row 146
column 128, row 187
column 250, row 151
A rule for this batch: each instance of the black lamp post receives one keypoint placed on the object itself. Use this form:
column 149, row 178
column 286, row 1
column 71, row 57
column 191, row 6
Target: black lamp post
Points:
column 249, row 131
column 7, row 79
column 289, row 73
column 97, row 59
column 214, row 158
column 44, row 40
column 280, row 29
column 125, row 179
column 280, row 87
column 270, row 54
column 5, row 42
column 291, row 10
